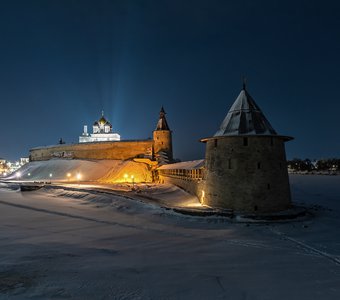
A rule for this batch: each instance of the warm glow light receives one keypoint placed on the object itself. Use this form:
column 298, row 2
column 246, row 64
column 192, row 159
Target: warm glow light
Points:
column 126, row 177
column 68, row 175
column 78, row 176
column 5, row 174
column 202, row 197
column 194, row 205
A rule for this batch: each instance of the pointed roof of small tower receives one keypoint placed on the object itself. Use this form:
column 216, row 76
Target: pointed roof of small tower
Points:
column 162, row 124
column 245, row 118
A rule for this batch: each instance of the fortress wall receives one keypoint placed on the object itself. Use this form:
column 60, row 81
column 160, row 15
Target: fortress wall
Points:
column 192, row 186
column 120, row 150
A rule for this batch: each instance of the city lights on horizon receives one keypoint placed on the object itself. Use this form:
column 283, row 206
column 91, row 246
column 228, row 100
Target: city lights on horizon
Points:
column 8, row 167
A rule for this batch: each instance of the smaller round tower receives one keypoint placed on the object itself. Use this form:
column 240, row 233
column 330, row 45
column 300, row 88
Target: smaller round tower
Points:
column 162, row 137
column 245, row 162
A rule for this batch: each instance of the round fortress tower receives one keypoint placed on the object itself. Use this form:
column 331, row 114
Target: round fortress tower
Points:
column 245, row 162
column 162, row 137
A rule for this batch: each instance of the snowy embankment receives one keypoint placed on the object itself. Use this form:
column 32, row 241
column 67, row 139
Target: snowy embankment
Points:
column 71, row 170
column 79, row 245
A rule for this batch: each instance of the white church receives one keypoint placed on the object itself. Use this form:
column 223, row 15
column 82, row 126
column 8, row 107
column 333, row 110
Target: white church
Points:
column 102, row 132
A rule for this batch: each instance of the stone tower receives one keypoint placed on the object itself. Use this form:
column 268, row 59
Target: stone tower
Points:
column 245, row 162
column 162, row 137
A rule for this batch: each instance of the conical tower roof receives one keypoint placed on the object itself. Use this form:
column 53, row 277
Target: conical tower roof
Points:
column 162, row 124
column 245, row 118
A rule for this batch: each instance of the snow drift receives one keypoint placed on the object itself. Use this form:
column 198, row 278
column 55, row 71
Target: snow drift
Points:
column 83, row 170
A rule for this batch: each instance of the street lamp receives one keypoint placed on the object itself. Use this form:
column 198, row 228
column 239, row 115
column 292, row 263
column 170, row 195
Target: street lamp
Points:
column 126, row 177
column 133, row 181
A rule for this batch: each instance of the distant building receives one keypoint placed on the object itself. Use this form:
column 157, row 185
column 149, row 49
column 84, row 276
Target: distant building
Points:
column 102, row 132
column 24, row 160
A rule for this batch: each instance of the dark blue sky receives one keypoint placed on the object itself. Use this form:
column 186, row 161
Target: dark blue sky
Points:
column 62, row 62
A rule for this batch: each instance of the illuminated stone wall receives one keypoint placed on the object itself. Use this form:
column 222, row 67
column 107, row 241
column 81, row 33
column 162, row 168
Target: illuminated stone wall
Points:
column 120, row 150
column 192, row 186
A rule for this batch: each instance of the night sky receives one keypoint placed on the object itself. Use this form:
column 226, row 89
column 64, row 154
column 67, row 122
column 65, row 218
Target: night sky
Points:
column 62, row 62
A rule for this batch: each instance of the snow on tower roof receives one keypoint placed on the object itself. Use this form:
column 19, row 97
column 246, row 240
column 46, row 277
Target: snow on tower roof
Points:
column 245, row 118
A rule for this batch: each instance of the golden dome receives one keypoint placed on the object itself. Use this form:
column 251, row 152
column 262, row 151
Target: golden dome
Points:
column 102, row 121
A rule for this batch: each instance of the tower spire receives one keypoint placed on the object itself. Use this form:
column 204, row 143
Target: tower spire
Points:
column 244, row 82
column 162, row 124
column 162, row 113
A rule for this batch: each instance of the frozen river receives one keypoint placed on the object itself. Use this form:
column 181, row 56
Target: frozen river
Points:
column 76, row 245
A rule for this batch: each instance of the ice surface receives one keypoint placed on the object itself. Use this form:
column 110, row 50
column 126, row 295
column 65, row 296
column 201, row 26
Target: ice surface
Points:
column 64, row 244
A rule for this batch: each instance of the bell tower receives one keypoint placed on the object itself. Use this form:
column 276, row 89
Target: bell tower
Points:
column 162, row 137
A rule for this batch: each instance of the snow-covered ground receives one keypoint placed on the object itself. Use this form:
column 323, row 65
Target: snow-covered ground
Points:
column 79, row 170
column 66, row 244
